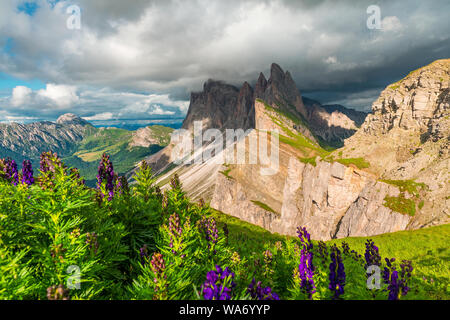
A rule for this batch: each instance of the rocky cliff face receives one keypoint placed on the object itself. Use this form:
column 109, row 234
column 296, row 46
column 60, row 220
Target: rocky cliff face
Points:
column 405, row 140
column 221, row 105
column 329, row 199
column 407, row 137
column 28, row 141
column 333, row 123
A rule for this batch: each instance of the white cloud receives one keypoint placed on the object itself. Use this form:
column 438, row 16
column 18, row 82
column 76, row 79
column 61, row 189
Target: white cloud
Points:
column 172, row 47
column 61, row 96
column 20, row 95
column 391, row 23
column 157, row 110
column 100, row 116
column 331, row 60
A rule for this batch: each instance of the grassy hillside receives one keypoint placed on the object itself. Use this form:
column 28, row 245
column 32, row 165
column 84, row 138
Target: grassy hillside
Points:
column 428, row 249
column 115, row 142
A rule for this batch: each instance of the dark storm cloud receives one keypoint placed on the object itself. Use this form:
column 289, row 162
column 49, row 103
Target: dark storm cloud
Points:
column 172, row 47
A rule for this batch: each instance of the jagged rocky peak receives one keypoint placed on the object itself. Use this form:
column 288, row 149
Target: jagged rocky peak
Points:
column 221, row 105
column 213, row 105
column 260, row 87
column 280, row 90
column 70, row 118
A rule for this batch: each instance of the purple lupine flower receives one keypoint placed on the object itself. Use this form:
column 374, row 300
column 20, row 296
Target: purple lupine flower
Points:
column 158, row 267
column 306, row 273
column 174, row 229
column 175, row 182
column 405, row 274
column 371, row 255
column 355, row 255
column 388, row 269
column 219, row 284
column 305, row 238
column 259, row 293
column 268, row 257
column 27, row 173
column 209, row 227
column 106, row 173
column 157, row 264
column 10, row 171
column 91, row 241
column 394, row 286
column 49, row 161
column 337, row 273
column 122, row 185
column 143, row 252
column 345, row 248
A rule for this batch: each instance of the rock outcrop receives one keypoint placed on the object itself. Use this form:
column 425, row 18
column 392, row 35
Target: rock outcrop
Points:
column 407, row 137
column 333, row 123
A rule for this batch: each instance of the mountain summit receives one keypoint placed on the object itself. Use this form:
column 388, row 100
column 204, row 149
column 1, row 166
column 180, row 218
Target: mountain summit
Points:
column 70, row 118
column 391, row 175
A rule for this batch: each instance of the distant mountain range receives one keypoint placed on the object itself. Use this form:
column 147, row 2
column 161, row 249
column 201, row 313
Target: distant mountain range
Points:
column 390, row 174
column 80, row 144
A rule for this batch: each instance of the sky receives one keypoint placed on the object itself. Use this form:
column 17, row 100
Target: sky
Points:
column 115, row 60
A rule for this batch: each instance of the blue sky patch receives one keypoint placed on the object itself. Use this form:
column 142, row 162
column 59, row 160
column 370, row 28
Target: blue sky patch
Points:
column 8, row 82
column 28, row 7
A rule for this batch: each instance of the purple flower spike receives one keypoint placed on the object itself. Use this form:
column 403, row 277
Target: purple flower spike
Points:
column 259, row 293
column 306, row 273
column 27, row 173
column 219, row 284
column 106, row 175
column 337, row 273
column 10, row 171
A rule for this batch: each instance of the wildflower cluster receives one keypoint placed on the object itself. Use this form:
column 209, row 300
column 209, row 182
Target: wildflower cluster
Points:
column 372, row 255
column 337, row 273
column 398, row 283
column 106, row 177
column 27, row 172
column 57, row 293
column 158, row 267
column 208, row 226
column 10, row 171
column 219, row 284
column 306, row 268
column 146, row 244
column 91, row 241
column 323, row 251
column 257, row 292
column 174, row 230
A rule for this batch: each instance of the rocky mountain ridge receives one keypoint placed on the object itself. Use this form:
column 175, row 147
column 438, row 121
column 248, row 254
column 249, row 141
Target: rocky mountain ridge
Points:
column 337, row 194
column 28, row 141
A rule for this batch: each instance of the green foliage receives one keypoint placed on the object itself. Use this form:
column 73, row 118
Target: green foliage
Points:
column 226, row 172
column 400, row 204
column 360, row 163
column 410, row 186
column 311, row 161
column 142, row 243
column 264, row 206
column 115, row 142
